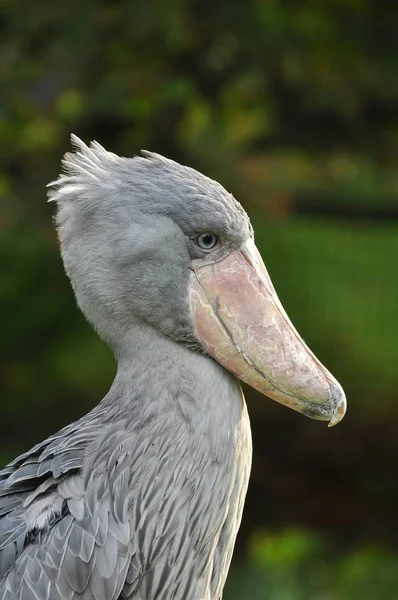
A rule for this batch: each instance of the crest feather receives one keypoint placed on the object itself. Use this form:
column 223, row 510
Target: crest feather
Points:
column 85, row 166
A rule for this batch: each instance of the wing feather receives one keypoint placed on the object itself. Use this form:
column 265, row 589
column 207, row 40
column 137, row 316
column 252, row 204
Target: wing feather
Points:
column 58, row 539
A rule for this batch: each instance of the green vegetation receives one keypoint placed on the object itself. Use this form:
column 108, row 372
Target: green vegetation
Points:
column 342, row 279
column 297, row 565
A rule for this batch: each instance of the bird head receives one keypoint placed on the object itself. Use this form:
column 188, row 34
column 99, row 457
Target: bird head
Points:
column 149, row 242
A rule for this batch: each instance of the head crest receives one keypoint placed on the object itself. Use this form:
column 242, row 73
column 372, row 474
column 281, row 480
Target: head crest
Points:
column 87, row 165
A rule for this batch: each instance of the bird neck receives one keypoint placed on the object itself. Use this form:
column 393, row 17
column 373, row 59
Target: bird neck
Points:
column 157, row 376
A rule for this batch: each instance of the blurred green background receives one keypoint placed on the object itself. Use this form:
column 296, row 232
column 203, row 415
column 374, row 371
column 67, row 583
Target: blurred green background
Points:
column 292, row 105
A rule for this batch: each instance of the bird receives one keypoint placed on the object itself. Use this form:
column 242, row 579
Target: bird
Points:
column 142, row 497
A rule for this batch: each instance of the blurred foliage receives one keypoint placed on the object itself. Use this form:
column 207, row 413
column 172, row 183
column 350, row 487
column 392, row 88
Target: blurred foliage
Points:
column 339, row 278
column 296, row 96
column 292, row 105
column 300, row 565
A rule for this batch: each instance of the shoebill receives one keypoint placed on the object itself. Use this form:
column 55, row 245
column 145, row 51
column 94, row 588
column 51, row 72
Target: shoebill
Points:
column 142, row 497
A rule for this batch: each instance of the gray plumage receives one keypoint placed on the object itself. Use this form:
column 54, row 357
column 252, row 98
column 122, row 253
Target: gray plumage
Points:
column 141, row 498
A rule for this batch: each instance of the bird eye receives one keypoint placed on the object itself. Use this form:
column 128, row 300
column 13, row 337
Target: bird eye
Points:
column 207, row 240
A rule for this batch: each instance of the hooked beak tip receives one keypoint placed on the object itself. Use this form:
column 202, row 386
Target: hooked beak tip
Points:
column 339, row 404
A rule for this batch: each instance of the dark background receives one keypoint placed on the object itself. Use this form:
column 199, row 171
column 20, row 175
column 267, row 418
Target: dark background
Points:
column 292, row 105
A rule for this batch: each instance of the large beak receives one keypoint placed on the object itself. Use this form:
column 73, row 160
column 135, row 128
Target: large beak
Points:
column 241, row 323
